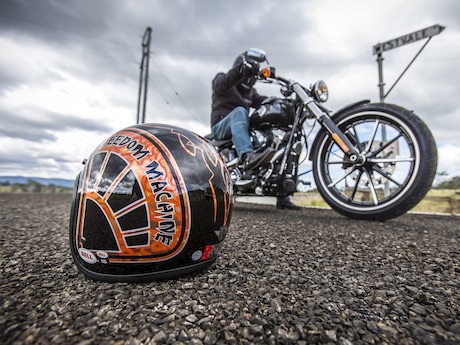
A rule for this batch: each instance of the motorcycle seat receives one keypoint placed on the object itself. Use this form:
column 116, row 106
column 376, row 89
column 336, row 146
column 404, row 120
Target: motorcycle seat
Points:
column 218, row 143
column 221, row 143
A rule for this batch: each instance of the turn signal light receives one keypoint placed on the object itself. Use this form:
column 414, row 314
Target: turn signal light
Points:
column 265, row 72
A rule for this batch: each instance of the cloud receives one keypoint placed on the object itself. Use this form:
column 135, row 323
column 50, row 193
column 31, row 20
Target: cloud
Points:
column 449, row 159
column 69, row 71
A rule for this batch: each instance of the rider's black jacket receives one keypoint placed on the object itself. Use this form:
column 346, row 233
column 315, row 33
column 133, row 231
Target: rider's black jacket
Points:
column 227, row 94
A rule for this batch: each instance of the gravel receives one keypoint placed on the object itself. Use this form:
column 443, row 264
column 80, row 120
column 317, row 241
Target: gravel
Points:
column 306, row 277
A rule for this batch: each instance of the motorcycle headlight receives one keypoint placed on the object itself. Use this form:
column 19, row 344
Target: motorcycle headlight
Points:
column 320, row 91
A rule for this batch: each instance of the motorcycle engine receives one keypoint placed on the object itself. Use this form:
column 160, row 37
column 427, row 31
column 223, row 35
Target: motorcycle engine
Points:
column 279, row 136
column 260, row 141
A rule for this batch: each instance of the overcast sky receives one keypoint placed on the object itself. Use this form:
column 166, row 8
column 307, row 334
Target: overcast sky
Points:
column 69, row 70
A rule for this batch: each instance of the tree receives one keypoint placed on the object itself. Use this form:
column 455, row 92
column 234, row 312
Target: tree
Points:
column 33, row 186
column 453, row 183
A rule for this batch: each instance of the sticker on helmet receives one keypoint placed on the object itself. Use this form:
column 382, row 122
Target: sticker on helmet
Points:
column 197, row 255
column 102, row 254
column 87, row 255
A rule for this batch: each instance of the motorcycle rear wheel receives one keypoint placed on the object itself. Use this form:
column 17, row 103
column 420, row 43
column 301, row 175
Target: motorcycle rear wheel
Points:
column 399, row 167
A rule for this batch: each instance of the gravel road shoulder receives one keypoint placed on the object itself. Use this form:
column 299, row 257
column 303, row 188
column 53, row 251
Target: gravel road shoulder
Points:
column 307, row 277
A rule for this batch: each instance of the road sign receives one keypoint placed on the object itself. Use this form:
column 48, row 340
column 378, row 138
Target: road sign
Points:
column 398, row 42
column 409, row 38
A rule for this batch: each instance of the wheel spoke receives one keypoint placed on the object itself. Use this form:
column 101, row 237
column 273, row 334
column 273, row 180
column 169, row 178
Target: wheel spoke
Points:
column 374, row 132
column 352, row 134
column 391, row 160
column 358, row 142
column 383, row 147
column 339, row 162
column 355, row 188
column 388, row 176
column 340, row 179
column 337, row 153
column 371, row 186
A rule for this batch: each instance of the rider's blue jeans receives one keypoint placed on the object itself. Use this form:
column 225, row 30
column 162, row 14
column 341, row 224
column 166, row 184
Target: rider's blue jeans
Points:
column 235, row 126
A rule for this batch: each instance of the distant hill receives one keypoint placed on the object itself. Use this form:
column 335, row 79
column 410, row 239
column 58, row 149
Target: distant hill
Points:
column 43, row 181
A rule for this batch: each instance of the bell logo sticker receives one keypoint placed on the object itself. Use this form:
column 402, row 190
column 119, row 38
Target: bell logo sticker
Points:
column 87, row 255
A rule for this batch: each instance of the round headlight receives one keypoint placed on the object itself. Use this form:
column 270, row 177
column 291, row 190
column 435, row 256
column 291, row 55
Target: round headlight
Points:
column 320, row 91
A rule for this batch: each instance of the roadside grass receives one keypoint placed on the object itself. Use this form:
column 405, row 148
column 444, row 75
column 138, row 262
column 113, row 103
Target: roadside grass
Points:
column 31, row 189
column 436, row 201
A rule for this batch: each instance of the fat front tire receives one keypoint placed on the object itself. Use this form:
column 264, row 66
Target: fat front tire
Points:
column 397, row 171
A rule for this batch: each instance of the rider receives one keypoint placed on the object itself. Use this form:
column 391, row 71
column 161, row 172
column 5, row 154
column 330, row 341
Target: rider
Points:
column 232, row 96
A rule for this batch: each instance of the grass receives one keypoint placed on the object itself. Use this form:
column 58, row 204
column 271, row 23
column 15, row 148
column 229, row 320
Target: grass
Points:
column 43, row 189
column 440, row 201
column 436, row 201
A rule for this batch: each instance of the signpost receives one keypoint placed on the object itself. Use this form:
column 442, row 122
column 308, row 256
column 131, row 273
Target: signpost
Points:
column 379, row 48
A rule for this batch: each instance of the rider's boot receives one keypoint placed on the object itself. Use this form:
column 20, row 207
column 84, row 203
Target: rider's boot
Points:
column 284, row 202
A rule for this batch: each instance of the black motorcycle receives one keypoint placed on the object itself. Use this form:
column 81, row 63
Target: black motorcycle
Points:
column 371, row 161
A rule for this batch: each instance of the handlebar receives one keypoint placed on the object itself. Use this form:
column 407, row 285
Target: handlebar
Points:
column 291, row 84
column 320, row 114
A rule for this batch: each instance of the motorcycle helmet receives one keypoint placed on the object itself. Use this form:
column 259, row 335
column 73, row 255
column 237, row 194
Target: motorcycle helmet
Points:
column 153, row 201
column 253, row 56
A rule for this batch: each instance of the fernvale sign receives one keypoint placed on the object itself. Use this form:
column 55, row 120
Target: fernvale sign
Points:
column 409, row 38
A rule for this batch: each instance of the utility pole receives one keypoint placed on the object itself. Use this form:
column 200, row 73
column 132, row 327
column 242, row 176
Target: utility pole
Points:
column 144, row 75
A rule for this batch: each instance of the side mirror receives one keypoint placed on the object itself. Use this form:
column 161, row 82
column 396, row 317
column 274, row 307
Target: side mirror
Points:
column 256, row 54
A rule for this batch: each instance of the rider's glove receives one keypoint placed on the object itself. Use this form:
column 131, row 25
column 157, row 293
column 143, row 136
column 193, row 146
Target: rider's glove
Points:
column 248, row 69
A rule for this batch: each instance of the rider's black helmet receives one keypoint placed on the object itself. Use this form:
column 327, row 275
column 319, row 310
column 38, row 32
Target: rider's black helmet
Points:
column 153, row 201
column 253, row 56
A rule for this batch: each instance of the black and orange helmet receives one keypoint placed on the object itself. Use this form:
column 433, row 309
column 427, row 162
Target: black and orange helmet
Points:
column 152, row 202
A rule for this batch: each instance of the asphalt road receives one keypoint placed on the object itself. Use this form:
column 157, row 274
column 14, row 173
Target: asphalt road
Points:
column 300, row 277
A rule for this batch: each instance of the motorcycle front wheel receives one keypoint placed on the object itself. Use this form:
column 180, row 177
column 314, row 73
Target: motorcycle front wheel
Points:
column 397, row 169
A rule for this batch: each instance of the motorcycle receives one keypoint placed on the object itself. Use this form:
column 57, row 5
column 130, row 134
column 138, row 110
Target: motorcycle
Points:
column 371, row 161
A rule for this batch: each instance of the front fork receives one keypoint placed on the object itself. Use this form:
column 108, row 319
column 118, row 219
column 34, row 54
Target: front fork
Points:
column 341, row 140
column 325, row 120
